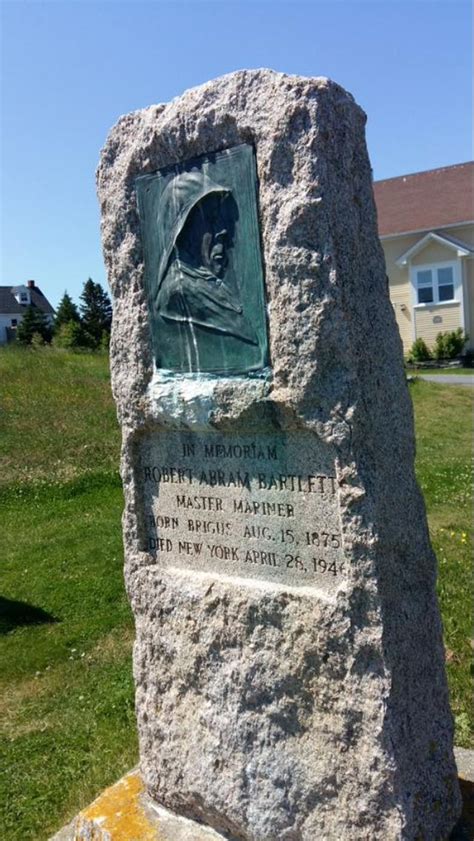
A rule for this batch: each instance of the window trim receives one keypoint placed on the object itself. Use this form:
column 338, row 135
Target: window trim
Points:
column 433, row 268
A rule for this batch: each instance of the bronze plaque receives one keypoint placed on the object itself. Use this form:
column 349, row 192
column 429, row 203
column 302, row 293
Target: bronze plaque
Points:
column 203, row 266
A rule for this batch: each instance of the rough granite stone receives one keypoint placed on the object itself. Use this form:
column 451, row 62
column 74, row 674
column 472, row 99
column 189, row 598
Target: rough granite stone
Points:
column 268, row 710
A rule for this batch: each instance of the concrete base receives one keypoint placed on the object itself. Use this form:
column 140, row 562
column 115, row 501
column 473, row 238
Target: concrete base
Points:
column 124, row 812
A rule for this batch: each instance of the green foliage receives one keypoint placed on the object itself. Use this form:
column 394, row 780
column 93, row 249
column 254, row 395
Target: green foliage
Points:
column 91, row 328
column 66, row 312
column 449, row 345
column 105, row 341
column 96, row 313
column 419, row 351
column 34, row 321
column 70, row 336
column 37, row 340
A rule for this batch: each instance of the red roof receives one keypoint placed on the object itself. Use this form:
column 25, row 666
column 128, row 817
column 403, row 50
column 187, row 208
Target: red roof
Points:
column 425, row 200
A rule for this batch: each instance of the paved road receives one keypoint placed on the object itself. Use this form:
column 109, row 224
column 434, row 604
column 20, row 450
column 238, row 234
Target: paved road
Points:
column 449, row 379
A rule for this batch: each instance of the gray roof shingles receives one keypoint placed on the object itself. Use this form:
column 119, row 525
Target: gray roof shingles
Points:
column 9, row 304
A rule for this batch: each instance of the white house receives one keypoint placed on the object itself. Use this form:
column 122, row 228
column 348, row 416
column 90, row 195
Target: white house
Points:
column 13, row 302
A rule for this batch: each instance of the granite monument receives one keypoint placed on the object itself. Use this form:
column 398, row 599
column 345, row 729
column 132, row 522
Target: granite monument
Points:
column 289, row 663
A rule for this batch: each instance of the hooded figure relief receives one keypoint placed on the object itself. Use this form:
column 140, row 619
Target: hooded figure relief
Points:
column 197, row 219
column 203, row 268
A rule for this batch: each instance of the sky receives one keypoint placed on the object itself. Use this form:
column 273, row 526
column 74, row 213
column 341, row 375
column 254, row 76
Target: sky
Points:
column 71, row 68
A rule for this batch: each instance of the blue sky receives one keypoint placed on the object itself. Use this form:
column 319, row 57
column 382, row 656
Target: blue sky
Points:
column 70, row 68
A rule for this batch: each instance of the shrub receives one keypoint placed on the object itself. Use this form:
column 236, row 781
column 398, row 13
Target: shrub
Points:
column 105, row 341
column 419, row 351
column 450, row 344
column 37, row 340
column 96, row 313
column 69, row 336
column 34, row 321
column 66, row 311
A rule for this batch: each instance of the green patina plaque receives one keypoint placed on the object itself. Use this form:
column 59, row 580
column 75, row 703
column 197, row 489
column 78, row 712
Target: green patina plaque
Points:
column 203, row 266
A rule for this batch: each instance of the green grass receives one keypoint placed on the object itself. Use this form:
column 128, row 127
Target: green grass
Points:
column 444, row 445
column 68, row 724
column 57, row 417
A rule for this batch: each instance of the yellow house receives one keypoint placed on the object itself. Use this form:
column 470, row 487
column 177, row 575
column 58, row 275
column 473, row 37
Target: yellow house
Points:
column 426, row 227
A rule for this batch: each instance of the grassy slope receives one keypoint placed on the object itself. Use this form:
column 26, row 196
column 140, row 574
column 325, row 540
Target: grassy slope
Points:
column 58, row 419
column 67, row 708
column 444, row 445
column 68, row 723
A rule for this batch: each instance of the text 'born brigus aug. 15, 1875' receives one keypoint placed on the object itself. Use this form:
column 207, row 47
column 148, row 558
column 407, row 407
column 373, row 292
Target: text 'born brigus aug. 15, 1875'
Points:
column 261, row 508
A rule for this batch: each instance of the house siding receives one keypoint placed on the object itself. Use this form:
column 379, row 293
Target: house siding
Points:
column 399, row 286
column 6, row 321
column 427, row 329
column 469, row 300
column 434, row 252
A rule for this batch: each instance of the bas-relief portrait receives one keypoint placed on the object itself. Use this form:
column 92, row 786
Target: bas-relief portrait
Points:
column 198, row 219
column 203, row 265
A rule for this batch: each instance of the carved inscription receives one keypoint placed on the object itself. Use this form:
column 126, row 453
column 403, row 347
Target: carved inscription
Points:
column 263, row 506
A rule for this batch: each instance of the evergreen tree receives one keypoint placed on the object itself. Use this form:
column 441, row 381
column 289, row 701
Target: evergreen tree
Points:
column 66, row 312
column 70, row 336
column 96, row 312
column 34, row 321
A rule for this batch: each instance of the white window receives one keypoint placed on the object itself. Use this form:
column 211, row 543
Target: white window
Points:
column 435, row 284
column 24, row 297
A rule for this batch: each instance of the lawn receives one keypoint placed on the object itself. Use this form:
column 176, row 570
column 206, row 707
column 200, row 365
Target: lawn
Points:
column 443, row 415
column 68, row 724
